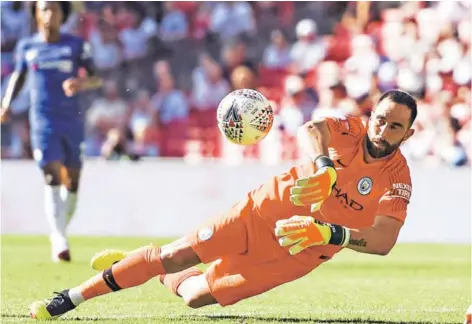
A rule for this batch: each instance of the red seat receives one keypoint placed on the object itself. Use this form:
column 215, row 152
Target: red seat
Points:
column 173, row 138
column 271, row 77
column 339, row 49
column 289, row 147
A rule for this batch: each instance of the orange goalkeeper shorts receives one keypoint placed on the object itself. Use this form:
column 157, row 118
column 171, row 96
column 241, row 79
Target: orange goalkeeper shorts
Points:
column 246, row 259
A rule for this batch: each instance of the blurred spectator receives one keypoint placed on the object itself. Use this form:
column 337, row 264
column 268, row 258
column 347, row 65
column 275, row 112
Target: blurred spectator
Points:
column 174, row 24
column 136, row 33
column 106, row 113
column 277, row 54
column 171, row 116
column 364, row 57
column 329, row 105
column 161, row 69
column 231, row 18
column 14, row 23
column 328, row 75
column 118, row 145
column 243, row 78
column 106, row 49
column 278, row 12
column 308, row 51
column 410, row 81
column 140, row 124
column 233, row 55
column 386, row 76
column 339, row 64
column 15, row 141
column 109, row 14
column 296, row 107
column 73, row 23
column 454, row 11
column 201, row 21
column 209, row 86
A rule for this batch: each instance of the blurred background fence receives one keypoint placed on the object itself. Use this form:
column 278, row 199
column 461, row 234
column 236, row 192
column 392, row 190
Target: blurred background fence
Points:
column 169, row 198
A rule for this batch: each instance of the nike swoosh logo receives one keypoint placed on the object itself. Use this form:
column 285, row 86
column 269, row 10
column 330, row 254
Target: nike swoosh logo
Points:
column 339, row 162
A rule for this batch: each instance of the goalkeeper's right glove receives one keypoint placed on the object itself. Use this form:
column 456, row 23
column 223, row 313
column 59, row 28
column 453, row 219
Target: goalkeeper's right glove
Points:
column 313, row 190
column 301, row 232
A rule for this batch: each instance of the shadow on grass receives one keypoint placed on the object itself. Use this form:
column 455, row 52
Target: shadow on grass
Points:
column 263, row 319
column 240, row 319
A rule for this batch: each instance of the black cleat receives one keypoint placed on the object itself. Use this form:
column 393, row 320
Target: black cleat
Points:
column 52, row 308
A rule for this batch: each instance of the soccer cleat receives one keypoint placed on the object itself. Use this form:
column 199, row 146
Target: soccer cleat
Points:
column 52, row 308
column 105, row 259
column 63, row 256
column 59, row 248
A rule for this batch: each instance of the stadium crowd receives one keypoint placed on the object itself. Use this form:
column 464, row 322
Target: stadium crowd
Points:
column 166, row 66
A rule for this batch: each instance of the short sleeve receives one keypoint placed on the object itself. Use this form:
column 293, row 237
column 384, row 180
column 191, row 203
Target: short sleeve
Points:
column 20, row 59
column 344, row 130
column 398, row 189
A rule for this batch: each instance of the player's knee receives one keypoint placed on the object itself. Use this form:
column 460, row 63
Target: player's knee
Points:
column 73, row 177
column 194, row 302
column 73, row 186
column 178, row 255
column 52, row 174
column 198, row 300
column 52, row 179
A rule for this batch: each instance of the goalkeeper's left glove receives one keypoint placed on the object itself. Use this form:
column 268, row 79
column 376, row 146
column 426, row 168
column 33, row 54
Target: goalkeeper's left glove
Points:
column 313, row 190
column 302, row 232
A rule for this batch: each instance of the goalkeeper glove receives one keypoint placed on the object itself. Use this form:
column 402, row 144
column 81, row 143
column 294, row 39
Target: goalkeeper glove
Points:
column 302, row 232
column 313, row 190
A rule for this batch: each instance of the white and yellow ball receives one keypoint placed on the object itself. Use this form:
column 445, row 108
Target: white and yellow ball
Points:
column 245, row 116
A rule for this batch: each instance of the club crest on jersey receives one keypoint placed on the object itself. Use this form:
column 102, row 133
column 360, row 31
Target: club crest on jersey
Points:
column 31, row 54
column 364, row 186
column 205, row 234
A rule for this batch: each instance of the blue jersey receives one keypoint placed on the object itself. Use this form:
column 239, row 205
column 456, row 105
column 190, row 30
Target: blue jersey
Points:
column 48, row 66
column 57, row 121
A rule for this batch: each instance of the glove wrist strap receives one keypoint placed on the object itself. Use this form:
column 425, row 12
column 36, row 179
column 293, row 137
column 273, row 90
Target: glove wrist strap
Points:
column 340, row 235
column 323, row 161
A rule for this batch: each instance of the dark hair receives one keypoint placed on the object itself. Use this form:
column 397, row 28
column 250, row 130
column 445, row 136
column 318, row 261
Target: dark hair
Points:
column 66, row 8
column 402, row 98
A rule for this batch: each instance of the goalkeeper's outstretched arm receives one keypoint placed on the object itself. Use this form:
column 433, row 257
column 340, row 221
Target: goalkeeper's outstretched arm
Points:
column 379, row 239
column 300, row 232
column 313, row 138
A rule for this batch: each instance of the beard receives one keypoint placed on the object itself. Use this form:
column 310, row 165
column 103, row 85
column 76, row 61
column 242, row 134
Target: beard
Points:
column 380, row 148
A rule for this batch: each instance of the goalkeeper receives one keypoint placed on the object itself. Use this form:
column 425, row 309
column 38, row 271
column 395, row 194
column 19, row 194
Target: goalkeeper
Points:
column 353, row 194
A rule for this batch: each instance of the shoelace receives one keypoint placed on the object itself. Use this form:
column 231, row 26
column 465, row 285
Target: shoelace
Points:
column 60, row 295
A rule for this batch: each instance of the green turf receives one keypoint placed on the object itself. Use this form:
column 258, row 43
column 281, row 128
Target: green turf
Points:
column 414, row 284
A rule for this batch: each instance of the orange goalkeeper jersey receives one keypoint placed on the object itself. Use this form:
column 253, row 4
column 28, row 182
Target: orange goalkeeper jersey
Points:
column 362, row 191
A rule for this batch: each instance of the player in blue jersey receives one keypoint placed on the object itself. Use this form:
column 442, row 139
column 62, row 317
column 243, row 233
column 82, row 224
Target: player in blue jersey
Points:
column 53, row 59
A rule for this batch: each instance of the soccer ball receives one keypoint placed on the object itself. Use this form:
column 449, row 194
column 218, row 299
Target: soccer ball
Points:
column 245, row 117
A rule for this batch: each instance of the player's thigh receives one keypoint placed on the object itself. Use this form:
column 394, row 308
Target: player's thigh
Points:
column 73, row 143
column 47, row 148
column 233, row 279
column 226, row 234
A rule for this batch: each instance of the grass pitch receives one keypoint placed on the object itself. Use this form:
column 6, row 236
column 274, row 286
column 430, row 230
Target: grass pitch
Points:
column 416, row 283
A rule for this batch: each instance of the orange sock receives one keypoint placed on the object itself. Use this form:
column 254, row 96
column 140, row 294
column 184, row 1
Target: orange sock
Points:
column 130, row 272
column 172, row 281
